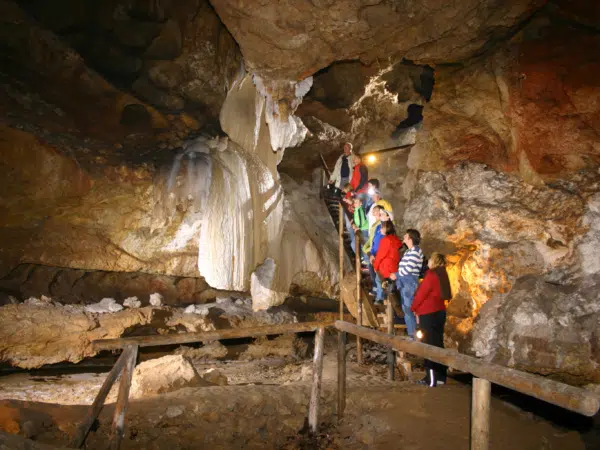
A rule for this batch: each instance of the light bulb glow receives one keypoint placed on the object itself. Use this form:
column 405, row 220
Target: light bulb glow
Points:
column 420, row 334
column 371, row 159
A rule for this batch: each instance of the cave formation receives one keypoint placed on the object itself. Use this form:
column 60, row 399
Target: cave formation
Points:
column 162, row 168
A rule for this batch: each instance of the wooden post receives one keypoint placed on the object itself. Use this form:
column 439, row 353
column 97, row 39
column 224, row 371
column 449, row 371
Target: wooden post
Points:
column 341, row 393
column 313, row 407
column 84, row 428
column 118, row 425
column 359, row 309
column 391, row 357
column 480, row 414
column 341, row 233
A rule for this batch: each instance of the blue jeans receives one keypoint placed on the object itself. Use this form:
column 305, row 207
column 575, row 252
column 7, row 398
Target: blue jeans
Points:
column 372, row 274
column 378, row 282
column 407, row 286
column 348, row 223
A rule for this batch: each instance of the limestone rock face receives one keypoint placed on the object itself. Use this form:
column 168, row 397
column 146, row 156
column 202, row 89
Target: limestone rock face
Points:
column 543, row 327
column 119, row 78
column 497, row 228
column 366, row 109
column 166, row 220
column 78, row 286
column 531, row 107
column 36, row 335
column 40, row 332
column 289, row 40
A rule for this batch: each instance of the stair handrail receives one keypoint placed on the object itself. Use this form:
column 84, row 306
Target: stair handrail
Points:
column 325, row 166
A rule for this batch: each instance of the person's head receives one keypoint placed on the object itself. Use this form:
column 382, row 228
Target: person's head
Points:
column 347, row 188
column 347, row 148
column 376, row 211
column 385, row 215
column 357, row 159
column 372, row 185
column 436, row 260
column 376, row 195
column 388, row 228
column 412, row 238
column 357, row 202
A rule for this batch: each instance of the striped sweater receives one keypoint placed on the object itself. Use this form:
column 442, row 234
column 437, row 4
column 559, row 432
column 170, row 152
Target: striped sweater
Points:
column 411, row 263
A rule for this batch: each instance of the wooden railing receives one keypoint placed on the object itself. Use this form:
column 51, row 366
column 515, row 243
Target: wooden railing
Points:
column 569, row 397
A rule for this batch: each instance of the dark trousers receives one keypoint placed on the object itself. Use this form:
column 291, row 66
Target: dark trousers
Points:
column 433, row 334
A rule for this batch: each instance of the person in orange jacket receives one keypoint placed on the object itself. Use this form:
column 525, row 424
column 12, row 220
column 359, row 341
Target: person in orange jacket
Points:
column 360, row 178
column 387, row 257
column 430, row 309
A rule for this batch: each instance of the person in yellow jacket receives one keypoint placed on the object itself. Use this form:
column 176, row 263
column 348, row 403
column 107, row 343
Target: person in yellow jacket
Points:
column 378, row 201
column 373, row 228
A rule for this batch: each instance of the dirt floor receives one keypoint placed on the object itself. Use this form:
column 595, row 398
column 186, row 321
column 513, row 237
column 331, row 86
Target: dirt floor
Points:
column 265, row 407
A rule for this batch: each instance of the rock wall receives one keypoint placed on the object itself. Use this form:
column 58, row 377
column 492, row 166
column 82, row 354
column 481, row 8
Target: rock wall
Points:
column 142, row 218
column 504, row 179
column 497, row 229
column 78, row 286
column 529, row 108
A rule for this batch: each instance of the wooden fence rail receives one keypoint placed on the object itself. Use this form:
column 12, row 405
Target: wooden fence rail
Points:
column 560, row 394
column 207, row 336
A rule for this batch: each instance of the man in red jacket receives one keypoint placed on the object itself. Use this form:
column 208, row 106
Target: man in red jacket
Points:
column 430, row 309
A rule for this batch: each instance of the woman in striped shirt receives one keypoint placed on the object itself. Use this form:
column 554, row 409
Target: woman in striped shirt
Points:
column 407, row 278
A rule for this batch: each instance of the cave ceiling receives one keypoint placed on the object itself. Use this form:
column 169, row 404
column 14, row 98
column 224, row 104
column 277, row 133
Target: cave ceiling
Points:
column 293, row 39
column 132, row 79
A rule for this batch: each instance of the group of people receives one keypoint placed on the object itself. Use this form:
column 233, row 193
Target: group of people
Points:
column 394, row 262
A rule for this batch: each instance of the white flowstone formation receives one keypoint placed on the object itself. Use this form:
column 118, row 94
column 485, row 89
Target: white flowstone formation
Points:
column 285, row 129
column 132, row 302
column 106, row 305
column 156, row 299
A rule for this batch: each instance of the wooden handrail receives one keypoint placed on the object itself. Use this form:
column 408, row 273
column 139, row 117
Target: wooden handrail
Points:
column 325, row 167
column 560, row 394
column 186, row 338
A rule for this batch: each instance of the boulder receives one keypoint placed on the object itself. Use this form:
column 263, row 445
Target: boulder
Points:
column 209, row 351
column 543, row 327
column 215, row 376
column 285, row 346
column 166, row 374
